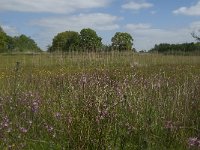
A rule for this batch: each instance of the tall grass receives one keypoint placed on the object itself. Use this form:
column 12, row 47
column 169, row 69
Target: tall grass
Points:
column 99, row 101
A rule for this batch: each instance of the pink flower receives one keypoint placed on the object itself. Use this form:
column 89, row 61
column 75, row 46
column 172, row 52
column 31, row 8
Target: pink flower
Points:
column 194, row 142
column 57, row 115
column 35, row 106
column 23, row 130
column 169, row 125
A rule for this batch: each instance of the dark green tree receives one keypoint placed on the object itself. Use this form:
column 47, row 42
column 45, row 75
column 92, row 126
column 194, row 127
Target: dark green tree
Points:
column 178, row 49
column 65, row 41
column 89, row 40
column 6, row 42
column 20, row 43
column 3, row 41
column 23, row 43
column 122, row 41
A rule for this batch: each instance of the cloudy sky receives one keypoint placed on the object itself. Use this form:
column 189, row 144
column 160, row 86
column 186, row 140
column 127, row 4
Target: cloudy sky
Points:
column 150, row 22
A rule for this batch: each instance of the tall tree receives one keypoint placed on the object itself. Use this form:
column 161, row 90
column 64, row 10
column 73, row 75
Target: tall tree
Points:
column 4, row 40
column 20, row 43
column 65, row 41
column 90, row 41
column 122, row 41
column 23, row 43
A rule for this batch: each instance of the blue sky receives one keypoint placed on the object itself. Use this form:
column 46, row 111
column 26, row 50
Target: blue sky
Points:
column 150, row 22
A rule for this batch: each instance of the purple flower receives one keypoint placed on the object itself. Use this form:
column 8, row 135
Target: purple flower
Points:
column 103, row 114
column 169, row 125
column 23, row 130
column 35, row 106
column 57, row 115
column 5, row 122
column 48, row 127
column 194, row 142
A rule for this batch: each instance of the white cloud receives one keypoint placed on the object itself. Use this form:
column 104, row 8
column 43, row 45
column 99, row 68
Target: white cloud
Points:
column 191, row 11
column 137, row 5
column 98, row 21
column 10, row 30
column 52, row 6
column 195, row 25
column 139, row 26
column 146, row 36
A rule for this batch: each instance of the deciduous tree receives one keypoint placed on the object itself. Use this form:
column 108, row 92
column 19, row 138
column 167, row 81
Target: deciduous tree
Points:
column 23, row 43
column 90, row 41
column 65, row 41
column 122, row 41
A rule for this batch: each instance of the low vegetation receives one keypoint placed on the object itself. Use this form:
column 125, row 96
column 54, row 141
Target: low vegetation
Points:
column 105, row 100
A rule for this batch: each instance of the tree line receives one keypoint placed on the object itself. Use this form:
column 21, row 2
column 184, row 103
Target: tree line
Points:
column 184, row 48
column 88, row 40
column 20, row 43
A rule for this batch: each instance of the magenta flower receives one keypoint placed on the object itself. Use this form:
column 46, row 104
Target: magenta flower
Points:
column 169, row 125
column 57, row 115
column 194, row 142
column 35, row 106
column 23, row 130
column 5, row 122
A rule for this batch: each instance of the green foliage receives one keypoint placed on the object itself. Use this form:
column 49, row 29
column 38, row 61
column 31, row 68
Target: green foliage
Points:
column 122, row 41
column 23, row 43
column 176, row 48
column 65, row 41
column 90, row 41
column 20, row 43
column 3, row 43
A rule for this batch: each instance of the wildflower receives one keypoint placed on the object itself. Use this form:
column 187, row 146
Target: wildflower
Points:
column 57, row 115
column 84, row 79
column 23, row 130
column 48, row 127
column 35, row 106
column 194, row 142
column 103, row 114
column 30, row 122
column 5, row 122
column 169, row 125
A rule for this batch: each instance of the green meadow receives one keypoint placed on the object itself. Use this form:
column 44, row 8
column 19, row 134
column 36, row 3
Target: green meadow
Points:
column 108, row 100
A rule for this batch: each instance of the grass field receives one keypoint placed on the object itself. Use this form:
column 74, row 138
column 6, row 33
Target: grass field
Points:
column 99, row 101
